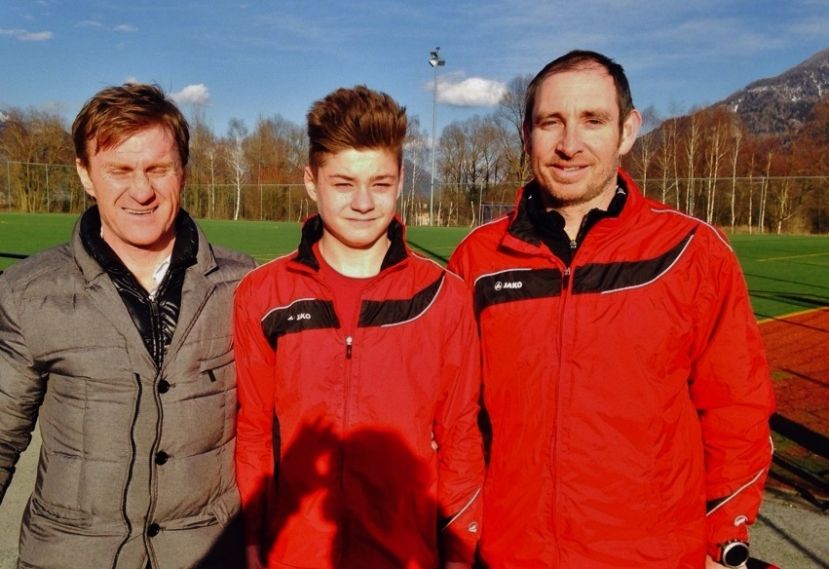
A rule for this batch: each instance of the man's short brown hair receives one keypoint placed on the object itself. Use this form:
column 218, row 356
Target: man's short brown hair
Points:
column 578, row 60
column 116, row 113
column 356, row 118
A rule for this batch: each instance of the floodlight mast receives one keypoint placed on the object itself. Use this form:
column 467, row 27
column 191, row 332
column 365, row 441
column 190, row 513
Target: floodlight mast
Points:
column 435, row 60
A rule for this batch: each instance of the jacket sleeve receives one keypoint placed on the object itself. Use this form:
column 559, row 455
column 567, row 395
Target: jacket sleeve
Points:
column 456, row 263
column 731, row 389
column 254, row 432
column 460, row 451
column 21, row 387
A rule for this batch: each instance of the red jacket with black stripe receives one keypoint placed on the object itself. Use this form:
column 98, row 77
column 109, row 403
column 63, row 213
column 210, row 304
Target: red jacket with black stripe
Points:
column 359, row 451
column 628, row 393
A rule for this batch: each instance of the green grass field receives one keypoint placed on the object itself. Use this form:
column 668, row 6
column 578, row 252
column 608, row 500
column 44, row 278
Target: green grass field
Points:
column 785, row 273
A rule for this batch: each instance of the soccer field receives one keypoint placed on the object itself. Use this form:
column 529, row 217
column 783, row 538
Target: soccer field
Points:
column 785, row 273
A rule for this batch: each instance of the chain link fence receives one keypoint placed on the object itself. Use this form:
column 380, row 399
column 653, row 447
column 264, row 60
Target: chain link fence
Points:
column 793, row 204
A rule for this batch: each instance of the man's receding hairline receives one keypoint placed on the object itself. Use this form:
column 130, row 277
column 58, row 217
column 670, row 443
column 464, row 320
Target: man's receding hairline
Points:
column 579, row 67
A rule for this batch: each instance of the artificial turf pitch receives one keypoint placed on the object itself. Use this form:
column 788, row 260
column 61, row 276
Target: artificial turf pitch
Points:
column 785, row 273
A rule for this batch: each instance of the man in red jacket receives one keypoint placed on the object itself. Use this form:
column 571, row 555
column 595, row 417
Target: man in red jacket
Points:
column 358, row 372
column 624, row 375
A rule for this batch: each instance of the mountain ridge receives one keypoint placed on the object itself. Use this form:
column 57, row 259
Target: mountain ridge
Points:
column 781, row 105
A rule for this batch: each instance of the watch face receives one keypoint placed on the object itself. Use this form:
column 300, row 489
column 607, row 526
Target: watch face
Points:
column 735, row 554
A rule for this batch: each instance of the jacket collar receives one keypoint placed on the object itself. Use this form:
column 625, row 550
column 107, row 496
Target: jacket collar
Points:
column 522, row 233
column 312, row 231
column 95, row 257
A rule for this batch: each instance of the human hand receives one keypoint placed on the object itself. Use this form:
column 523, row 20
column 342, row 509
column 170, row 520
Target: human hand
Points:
column 252, row 558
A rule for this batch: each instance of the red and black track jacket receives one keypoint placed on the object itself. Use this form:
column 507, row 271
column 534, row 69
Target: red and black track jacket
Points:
column 358, row 451
column 628, row 393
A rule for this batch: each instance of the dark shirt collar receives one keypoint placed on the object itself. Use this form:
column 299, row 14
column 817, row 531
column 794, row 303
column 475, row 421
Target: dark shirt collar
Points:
column 549, row 225
column 184, row 250
column 312, row 231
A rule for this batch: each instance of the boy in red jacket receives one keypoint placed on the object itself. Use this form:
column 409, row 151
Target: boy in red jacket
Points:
column 358, row 372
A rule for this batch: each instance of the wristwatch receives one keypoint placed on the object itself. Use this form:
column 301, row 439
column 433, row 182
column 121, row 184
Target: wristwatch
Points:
column 732, row 553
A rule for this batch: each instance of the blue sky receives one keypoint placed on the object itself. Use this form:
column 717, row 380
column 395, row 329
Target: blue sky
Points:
column 261, row 58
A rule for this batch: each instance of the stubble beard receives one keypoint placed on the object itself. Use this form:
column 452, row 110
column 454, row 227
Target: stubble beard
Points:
column 558, row 199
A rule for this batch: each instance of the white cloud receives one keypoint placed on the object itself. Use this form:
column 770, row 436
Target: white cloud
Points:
column 94, row 23
column 35, row 36
column 192, row 94
column 470, row 91
column 131, row 80
column 3, row 117
column 25, row 35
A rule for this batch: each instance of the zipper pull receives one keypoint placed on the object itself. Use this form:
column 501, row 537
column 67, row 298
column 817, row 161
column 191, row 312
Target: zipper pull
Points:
column 348, row 342
column 565, row 278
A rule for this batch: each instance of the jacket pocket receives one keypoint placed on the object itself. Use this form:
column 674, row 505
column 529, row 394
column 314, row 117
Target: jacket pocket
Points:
column 216, row 368
column 59, row 476
column 226, row 507
column 220, row 371
column 191, row 522
column 58, row 514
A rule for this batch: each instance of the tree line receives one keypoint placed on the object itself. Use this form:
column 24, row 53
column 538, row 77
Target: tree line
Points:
column 704, row 163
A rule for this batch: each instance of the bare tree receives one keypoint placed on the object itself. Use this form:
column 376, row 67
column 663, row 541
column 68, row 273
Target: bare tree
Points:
column 201, row 167
column 735, row 154
column 690, row 159
column 510, row 118
column 764, row 192
column 666, row 158
column 714, row 152
column 37, row 138
column 415, row 152
column 237, row 131
column 643, row 154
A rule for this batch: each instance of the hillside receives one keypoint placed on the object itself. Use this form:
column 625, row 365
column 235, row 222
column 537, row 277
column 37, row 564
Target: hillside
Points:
column 780, row 105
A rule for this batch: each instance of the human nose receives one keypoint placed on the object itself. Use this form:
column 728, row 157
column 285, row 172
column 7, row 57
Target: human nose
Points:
column 362, row 199
column 141, row 187
column 570, row 141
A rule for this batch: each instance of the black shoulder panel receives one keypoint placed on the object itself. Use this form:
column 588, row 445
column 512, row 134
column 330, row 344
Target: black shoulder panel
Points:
column 608, row 277
column 306, row 314
column 516, row 284
column 389, row 312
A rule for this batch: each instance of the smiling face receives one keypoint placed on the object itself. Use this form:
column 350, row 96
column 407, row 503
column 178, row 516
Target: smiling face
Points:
column 575, row 142
column 137, row 185
column 356, row 193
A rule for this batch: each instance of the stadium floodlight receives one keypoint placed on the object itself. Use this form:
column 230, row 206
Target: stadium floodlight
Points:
column 435, row 60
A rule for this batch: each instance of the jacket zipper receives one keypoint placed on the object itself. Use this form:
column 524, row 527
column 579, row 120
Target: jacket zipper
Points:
column 124, row 511
column 349, row 342
column 158, row 358
column 338, row 551
column 566, row 289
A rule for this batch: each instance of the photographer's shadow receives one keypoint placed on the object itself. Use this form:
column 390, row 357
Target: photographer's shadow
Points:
column 357, row 501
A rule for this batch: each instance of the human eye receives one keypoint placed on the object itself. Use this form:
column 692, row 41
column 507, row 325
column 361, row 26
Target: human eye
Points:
column 160, row 171
column 118, row 171
column 382, row 186
column 549, row 122
column 596, row 120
